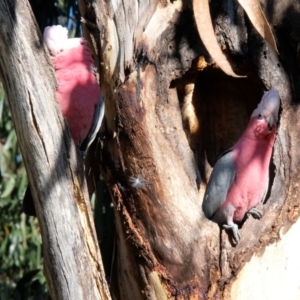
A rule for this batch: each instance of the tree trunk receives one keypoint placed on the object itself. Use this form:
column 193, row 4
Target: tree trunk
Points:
column 73, row 265
column 171, row 112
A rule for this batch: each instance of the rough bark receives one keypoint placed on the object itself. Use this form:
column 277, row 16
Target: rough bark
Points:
column 164, row 98
column 72, row 261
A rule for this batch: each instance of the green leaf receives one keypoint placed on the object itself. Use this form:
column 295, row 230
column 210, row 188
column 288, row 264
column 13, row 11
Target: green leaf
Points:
column 8, row 187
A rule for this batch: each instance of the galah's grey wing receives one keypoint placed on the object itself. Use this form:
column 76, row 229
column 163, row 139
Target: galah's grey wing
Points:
column 219, row 183
column 97, row 121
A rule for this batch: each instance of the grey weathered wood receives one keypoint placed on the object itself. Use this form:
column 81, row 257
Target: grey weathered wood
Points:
column 72, row 261
column 153, row 66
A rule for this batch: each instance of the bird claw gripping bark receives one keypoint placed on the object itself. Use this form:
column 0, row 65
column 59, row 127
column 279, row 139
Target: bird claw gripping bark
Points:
column 235, row 231
column 255, row 213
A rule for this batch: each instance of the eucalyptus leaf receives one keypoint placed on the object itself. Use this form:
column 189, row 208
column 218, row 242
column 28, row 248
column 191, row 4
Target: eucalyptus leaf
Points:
column 258, row 20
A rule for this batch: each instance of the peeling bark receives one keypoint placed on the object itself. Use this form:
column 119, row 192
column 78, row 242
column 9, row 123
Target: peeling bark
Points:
column 169, row 114
column 164, row 98
column 72, row 261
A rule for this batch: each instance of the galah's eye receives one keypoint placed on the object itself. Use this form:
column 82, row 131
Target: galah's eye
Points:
column 260, row 116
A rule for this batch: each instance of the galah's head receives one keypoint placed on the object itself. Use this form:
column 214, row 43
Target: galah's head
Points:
column 266, row 113
column 55, row 37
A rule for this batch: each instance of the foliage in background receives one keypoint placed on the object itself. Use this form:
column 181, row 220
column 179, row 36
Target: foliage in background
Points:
column 20, row 242
column 21, row 275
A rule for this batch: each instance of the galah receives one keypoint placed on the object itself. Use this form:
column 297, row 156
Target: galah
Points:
column 78, row 92
column 240, row 178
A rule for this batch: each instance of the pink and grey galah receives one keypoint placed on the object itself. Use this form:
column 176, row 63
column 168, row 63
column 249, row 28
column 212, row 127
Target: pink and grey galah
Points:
column 78, row 92
column 240, row 178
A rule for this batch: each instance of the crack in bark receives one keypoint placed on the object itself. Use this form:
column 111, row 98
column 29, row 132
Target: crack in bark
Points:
column 63, row 269
column 36, row 126
column 88, row 231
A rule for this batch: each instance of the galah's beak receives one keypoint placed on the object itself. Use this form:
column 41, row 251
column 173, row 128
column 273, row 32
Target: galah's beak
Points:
column 272, row 120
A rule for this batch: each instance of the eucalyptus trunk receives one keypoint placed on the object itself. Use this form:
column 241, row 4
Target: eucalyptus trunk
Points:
column 72, row 261
column 170, row 113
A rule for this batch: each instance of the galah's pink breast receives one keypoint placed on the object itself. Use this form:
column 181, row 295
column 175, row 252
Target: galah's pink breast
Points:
column 78, row 91
column 251, row 159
